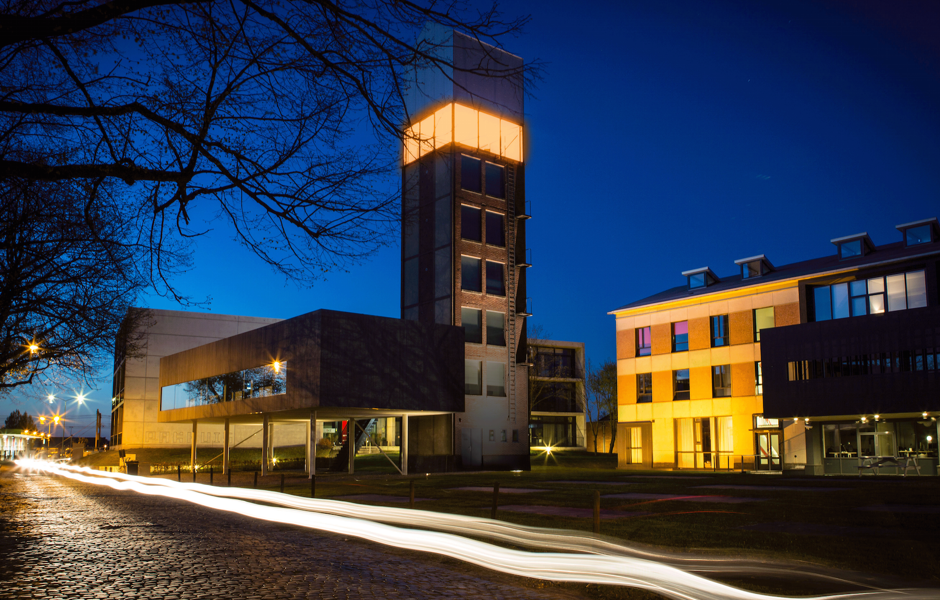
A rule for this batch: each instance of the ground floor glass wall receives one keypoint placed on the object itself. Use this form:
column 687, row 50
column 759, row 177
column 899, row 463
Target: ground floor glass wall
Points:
column 847, row 446
column 556, row 431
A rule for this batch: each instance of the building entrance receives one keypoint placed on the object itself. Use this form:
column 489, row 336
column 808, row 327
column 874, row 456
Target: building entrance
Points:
column 768, row 451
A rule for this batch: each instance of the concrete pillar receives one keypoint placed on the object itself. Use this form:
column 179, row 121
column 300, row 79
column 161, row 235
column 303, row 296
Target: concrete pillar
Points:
column 265, row 443
column 351, row 440
column 226, row 441
column 312, row 445
column 192, row 449
column 404, row 444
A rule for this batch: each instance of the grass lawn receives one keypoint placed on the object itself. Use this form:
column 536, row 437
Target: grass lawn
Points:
column 881, row 525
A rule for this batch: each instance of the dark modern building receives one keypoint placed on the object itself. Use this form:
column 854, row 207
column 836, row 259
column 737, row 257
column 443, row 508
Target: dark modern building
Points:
column 557, row 406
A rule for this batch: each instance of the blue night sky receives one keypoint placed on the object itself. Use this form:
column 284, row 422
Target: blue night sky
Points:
column 669, row 135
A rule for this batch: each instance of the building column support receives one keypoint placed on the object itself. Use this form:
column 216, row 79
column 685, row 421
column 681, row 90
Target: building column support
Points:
column 312, row 446
column 192, row 448
column 404, row 445
column 351, row 440
column 265, row 443
column 226, row 441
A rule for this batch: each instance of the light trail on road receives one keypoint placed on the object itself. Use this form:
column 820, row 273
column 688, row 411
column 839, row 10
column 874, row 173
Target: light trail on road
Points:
column 596, row 567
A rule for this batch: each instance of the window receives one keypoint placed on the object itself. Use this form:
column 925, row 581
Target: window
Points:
column 470, row 228
column 495, row 328
column 470, row 275
column 496, row 379
column 870, row 296
column 495, row 229
column 751, row 269
column 495, row 180
column 503, row 436
column 473, row 378
column 472, row 321
column 917, row 235
column 719, row 331
column 763, row 319
column 644, row 387
column 470, row 175
column 697, row 280
column 259, row 382
column 555, row 362
column 680, row 384
column 680, row 336
column 495, row 284
column 758, row 379
column 644, row 343
column 721, row 381
column 850, row 249
column 515, row 435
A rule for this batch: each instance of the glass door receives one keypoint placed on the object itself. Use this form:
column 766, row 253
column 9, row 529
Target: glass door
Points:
column 768, row 455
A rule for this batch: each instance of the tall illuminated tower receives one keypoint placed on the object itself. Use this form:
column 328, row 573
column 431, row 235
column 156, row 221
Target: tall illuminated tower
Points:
column 464, row 256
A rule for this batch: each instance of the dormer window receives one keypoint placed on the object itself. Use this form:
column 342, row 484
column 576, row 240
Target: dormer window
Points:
column 920, row 232
column 699, row 278
column 853, row 246
column 754, row 266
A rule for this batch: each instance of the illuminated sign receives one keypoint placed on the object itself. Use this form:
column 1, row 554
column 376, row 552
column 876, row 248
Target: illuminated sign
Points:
column 762, row 423
column 455, row 123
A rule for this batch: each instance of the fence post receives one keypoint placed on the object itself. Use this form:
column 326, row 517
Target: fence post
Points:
column 194, row 473
column 229, row 475
column 411, row 494
column 256, row 480
column 282, row 483
column 495, row 499
column 179, row 473
column 597, row 511
column 211, row 474
column 313, row 485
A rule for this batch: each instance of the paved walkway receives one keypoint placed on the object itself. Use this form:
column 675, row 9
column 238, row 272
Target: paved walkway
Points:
column 63, row 539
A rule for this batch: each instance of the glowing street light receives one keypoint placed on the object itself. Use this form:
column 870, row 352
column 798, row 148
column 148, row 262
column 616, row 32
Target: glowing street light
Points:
column 80, row 398
column 33, row 348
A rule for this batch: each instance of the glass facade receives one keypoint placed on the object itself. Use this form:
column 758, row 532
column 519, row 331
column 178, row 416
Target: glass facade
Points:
column 555, row 362
column 870, row 296
column 903, row 361
column 456, row 123
column 260, row 382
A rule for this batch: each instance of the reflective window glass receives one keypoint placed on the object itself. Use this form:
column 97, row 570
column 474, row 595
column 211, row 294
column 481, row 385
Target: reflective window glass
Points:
column 916, row 290
column 644, row 343
column 680, row 336
column 719, row 324
column 840, row 301
column 876, row 285
column 721, row 381
column 496, row 379
column 680, row 384
column 411, row 234
column 859, row 306
column 697, row 280
column 495, row 181
column 851, row 249
column 442, row 314
column 763, row 319
column 410, row 293
column 442, row 222
column 876, row 304
column 822, row 302
column 470, row 227
column 495, row 328
column 495, row 282
column 917, row 235
column 471, row 274
column 471, row 178
column 644, row 387
column 472, row 321
column 751, row 269
column 858, row 288
column 473, row 378
column 442, row 280
column 758, row 379
column 495, row 229
column 897, row 295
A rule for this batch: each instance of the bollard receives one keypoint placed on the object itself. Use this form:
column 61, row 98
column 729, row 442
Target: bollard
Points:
column 194, row 473
column 495, row 499
column 230, row 476
column 282, row 483
column 211, row 474
column 256, row 480
column 597, row 511
column 179, row 473
column 313, row 486
column 411, row 494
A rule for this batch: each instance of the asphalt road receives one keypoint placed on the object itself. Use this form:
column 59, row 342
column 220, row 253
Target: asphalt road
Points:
column 64, row 539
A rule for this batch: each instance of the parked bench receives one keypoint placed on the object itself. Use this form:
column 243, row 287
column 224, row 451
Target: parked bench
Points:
column 874, row 463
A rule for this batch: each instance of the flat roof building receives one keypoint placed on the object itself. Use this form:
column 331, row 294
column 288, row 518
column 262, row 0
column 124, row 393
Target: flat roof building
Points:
column 826, row 365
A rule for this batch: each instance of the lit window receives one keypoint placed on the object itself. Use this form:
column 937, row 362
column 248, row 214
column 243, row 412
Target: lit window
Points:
column 870, row 297
column 489, row 133
column 466, row 126
column 472, row 321
column 763, row 319
column 495, row 181
column 495, row 328
column 495, row 229
column 680, row 336
column 426, row 139
column 470, row 175
column 466, row 130
column 719, row 331
column 758, row 379
column 644, row 387
column 473, row 378
column 443, row 127
column 470, row 274
column 511, row 139
column 644, row 343
column 680, row 384
column 470, row 228
column 496, row 379
column 495, row 282
column 721, row 381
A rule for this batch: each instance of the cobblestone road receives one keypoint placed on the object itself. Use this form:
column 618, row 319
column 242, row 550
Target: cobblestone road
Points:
column 62, row 539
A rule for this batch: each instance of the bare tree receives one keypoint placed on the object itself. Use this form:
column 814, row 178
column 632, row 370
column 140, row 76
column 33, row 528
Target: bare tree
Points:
column 244, row 114
column 600, row 385
column 70, row 267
